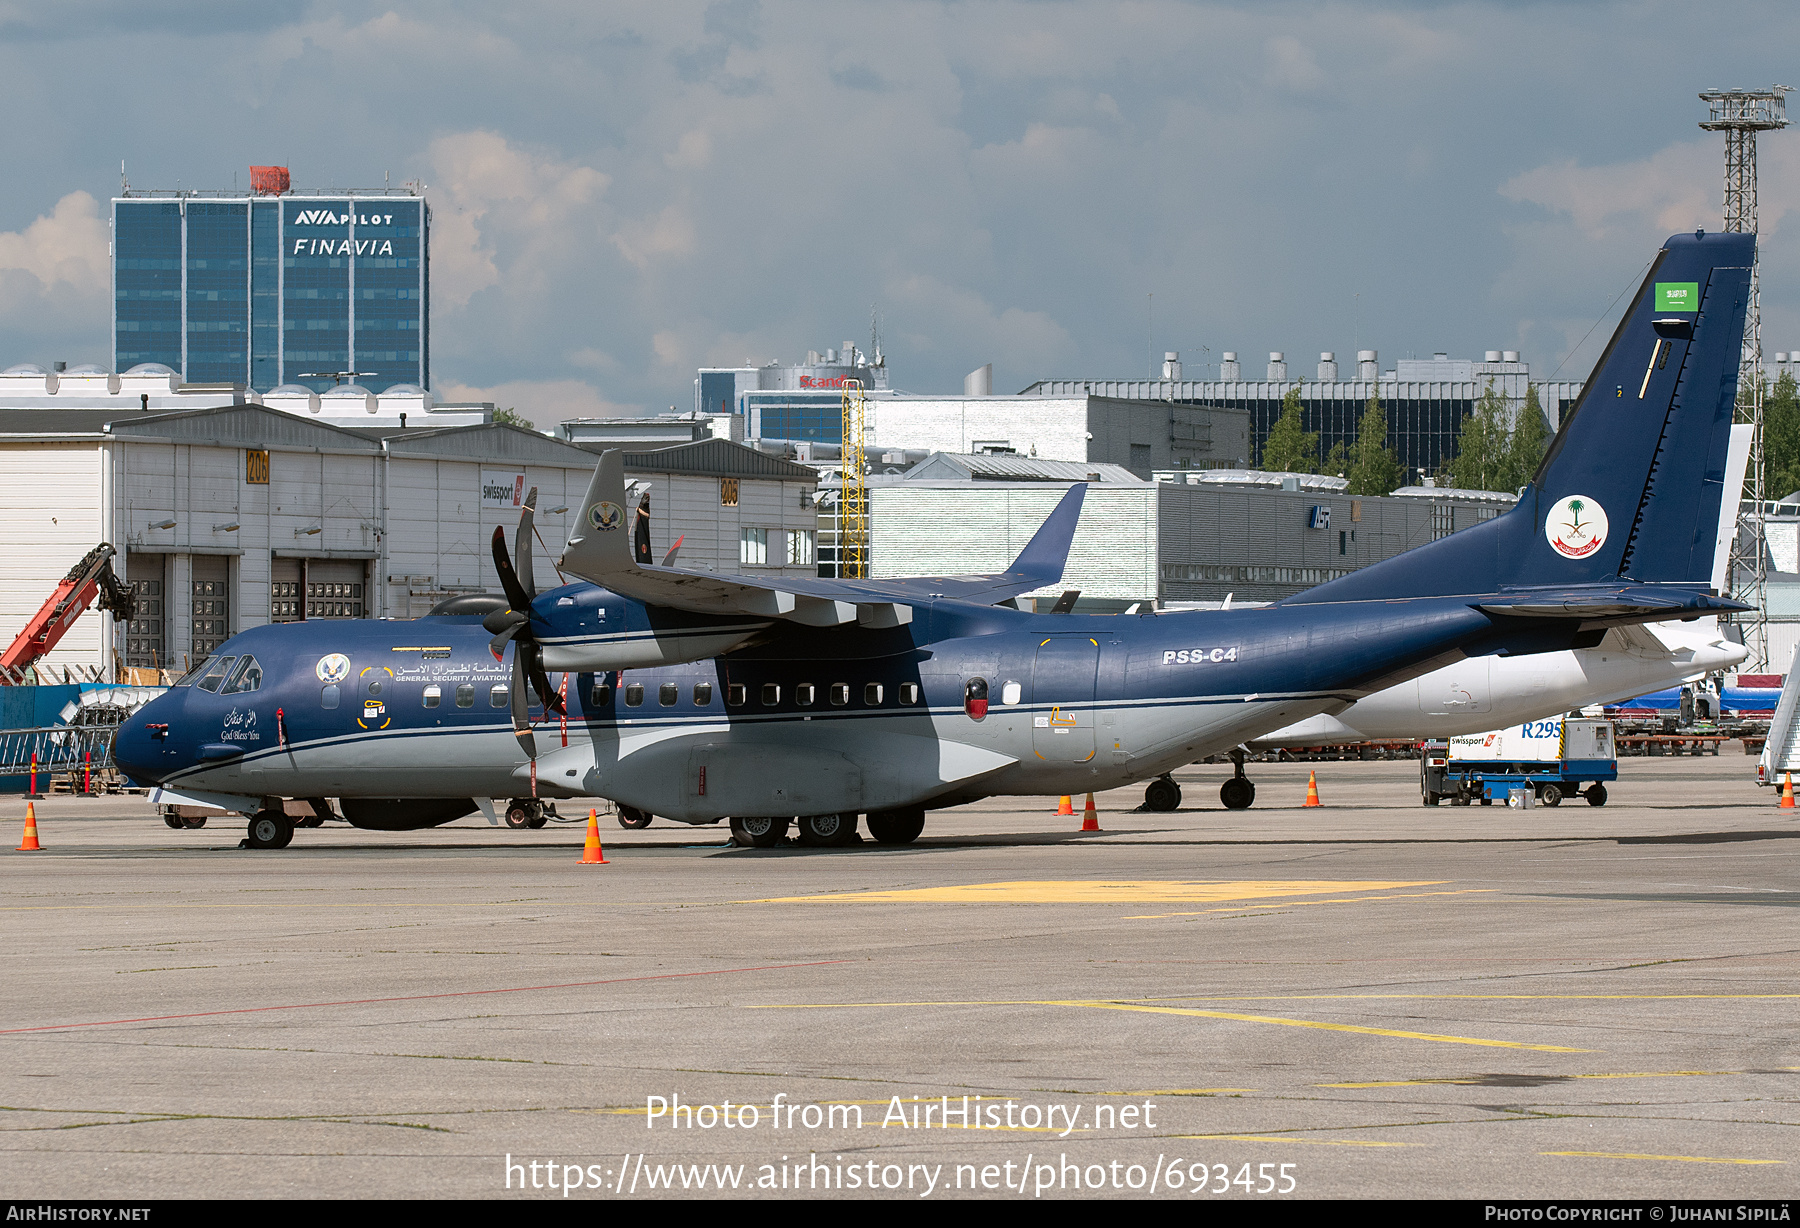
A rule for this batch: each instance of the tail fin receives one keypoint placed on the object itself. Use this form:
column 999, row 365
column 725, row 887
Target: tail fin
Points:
column 1631, row 485
column 1044, row 556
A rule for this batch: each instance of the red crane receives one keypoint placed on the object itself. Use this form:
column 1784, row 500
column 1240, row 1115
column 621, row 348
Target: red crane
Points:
column 92, row 577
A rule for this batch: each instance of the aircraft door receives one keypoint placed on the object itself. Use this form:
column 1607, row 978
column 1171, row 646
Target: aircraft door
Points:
column 1062, row 695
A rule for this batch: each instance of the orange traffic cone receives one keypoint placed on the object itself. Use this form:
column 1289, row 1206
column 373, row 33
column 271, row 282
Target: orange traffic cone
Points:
column 1065, row 806
column 30, row 843
column 1312, row 789
column 1089, row 820
column 592, row 854
column 1787, row 793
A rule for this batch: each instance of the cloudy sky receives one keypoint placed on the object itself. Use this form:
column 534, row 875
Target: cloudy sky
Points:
column 623, row 192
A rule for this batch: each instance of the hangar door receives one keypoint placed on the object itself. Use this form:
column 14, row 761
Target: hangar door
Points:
column 316, row 588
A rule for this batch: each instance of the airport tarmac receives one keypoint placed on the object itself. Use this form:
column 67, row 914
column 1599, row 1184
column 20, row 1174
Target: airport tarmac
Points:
column 1369, row 999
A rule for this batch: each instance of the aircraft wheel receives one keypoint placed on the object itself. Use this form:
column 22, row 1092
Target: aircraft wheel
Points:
column 1237, row 793
column 1550, row 795
column 632, row 817
column 896, row 826
column 270, row 829
column 519, row 814
column 1162, row 795
column 1596, row 794
column 538, row 819
column 828, row 830
column 760, row 832
column 195, row 822
column 172, row 820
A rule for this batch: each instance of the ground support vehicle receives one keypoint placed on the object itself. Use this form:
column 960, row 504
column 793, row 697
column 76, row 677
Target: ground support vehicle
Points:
column 1552, row 759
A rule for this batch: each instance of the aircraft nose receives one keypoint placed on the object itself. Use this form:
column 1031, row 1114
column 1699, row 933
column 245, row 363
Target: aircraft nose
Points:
column 145, row 748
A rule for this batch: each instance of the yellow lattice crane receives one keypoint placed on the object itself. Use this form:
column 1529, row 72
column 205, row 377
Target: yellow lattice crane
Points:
column 853, row 495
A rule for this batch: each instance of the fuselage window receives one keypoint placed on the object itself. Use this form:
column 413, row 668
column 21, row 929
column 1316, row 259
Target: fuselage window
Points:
column 434, row 695
column 465, row 695
column 216, row 674
column 328, row 695
column 735, row 694
column 771, row 694
column 247, row 678
column 1009, row 694
column 975, row 697
column 497, row 695
column 909, row 692
column 375, row 685
column 872, row 694
column 840, row 694
column 668, row 694
column 634, row 694
column 803, row 694
column 599, row 695
column 702, row 694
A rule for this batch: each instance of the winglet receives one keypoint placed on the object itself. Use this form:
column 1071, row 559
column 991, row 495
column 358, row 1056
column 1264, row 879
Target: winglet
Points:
column 1048, row 550
column 599, row 542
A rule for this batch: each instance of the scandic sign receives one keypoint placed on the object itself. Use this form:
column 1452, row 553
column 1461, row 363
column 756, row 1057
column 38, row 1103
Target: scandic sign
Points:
column 823, row 381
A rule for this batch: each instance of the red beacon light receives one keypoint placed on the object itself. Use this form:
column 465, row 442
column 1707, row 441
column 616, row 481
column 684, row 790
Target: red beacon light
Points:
column 975, row 698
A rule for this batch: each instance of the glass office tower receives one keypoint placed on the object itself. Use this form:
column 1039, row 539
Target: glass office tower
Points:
column 270, row 290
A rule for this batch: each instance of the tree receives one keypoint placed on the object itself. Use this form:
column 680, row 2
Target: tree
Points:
column 1374, row 470
column 1781, row 439
column 512, row 417
column 1482, row 461
column 1530, row 436
column 1290, row 448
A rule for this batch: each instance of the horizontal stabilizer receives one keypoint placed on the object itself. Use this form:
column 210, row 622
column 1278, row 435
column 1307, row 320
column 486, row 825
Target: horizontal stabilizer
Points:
column 1631, row 603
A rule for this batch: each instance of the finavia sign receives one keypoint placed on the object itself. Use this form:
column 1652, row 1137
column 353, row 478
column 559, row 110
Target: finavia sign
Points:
column 343, row 247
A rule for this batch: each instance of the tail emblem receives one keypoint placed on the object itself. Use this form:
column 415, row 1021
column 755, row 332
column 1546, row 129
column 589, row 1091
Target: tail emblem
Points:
column 606, row 516
column 1576, row 527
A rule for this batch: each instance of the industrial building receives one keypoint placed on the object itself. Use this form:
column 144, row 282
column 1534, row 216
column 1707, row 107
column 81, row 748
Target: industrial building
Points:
column 273, row 286
column 790, row 401
column 1425, row 400
column 235, row 515
column 1198, row 536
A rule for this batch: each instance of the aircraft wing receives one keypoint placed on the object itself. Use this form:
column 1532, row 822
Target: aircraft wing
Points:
column 599, row 550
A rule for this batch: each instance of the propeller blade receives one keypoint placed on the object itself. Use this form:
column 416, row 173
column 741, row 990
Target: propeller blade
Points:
column 497, row 645
column 521, row 707
column 669, row 558
column 516, row 596
column 522, row 547
column 540, row 681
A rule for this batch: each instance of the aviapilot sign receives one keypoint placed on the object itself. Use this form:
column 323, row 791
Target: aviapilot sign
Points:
column 1678, row 296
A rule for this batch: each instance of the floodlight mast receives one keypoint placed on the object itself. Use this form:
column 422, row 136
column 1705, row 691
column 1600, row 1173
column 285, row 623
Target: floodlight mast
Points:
column 1740, row 115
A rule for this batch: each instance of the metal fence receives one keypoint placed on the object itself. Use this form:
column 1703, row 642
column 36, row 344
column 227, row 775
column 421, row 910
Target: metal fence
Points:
column 59, row 750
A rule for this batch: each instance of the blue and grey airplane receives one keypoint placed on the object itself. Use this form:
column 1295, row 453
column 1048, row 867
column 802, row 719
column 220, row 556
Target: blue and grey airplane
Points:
column 770, row 701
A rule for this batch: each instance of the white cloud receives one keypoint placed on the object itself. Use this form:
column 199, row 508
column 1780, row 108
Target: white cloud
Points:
column 65, row 251
column 669, row 233
column 493, row 194
column 1676, row 188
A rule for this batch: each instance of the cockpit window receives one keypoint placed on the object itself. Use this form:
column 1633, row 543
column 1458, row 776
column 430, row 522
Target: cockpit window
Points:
column 216, row 673
column 247, row 677
column 198, row 672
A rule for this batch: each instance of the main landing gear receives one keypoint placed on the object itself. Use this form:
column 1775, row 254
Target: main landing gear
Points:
column 633, row 818
column 1162, row 794
column 1238, row 792
column 829, row 830
column 528, row 812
